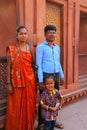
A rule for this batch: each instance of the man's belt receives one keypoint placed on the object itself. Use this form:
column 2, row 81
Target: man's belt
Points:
column 53, row 74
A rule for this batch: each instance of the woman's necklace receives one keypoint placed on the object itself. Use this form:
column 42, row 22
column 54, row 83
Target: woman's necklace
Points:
column 23, row 48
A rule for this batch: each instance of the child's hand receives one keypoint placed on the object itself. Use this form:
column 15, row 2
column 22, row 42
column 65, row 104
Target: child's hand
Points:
column 54, row 109
column 58, row 106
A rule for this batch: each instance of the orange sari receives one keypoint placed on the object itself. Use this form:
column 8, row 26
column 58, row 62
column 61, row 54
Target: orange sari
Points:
column 22, row 102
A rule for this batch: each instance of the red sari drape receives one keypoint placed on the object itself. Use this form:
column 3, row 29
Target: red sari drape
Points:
column 20, row 114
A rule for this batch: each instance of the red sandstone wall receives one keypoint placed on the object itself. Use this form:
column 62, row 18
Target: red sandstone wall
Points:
column 7, row 24
column 32, row 13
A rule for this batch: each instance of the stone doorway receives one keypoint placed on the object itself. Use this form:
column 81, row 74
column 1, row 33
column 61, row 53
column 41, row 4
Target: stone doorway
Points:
column 83, row 50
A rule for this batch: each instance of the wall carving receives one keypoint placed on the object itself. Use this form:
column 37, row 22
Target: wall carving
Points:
column 3, row 92
column 53, row 17
column 3, row 79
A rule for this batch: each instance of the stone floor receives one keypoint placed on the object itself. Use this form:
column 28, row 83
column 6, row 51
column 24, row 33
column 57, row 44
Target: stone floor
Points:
column 74, row 115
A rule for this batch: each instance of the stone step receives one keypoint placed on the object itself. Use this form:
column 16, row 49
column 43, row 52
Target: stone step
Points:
column 75, row 92
column 83, row 80
column 82, row 76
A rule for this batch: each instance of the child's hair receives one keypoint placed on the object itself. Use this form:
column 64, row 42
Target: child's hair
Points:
column 48, row 77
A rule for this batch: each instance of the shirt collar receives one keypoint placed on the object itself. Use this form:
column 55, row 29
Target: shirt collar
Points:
column 46, row 43
column 52, row 93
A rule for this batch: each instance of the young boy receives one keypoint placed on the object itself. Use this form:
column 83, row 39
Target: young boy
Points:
column 50, row 103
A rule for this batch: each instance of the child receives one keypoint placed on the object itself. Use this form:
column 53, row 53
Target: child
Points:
column 50, row 103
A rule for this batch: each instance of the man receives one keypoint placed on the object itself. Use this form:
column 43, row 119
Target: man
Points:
column 48, row 61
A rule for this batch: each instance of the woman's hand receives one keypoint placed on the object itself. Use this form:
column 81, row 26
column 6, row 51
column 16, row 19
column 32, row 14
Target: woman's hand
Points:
column 9, row 89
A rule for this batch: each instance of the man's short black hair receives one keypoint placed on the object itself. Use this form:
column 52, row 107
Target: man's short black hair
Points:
column 49, row 27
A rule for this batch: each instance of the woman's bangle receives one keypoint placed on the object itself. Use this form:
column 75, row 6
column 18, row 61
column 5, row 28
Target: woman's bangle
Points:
column 8, row 82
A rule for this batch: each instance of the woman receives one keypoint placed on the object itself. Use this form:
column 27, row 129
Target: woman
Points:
column 20, row 85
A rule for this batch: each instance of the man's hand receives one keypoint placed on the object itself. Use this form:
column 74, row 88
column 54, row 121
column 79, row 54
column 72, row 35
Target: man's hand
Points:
column 41, row 86
column 61, row 81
